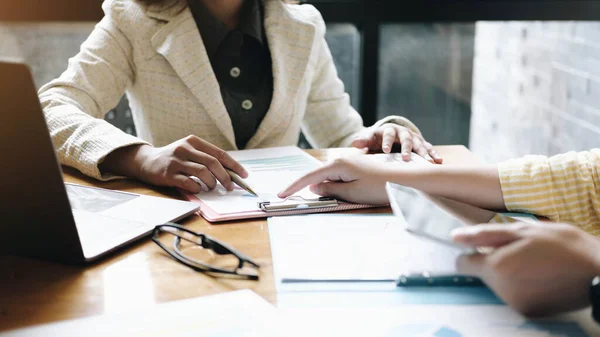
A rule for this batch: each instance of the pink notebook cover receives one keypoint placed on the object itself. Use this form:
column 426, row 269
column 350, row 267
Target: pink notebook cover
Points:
column 212, row 216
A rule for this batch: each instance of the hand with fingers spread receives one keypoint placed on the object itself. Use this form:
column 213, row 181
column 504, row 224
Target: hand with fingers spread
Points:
column 172, row 165
column 356, row 179
column 538, row 269
column 384, row 137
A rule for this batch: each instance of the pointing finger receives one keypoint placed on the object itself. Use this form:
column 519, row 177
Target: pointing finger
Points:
column 317, row 176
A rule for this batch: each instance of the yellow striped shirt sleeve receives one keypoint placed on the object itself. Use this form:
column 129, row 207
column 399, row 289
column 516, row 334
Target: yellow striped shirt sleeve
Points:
column 563, row 188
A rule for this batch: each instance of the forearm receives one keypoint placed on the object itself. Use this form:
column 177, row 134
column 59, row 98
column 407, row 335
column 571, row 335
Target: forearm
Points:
column 94, row 82
column 475, row 185
column 125, row 161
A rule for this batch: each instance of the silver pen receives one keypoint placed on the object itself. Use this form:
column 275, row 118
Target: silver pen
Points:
column 240, row 182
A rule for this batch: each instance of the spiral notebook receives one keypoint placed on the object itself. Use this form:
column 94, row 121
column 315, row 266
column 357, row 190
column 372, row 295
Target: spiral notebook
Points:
column 271, row 170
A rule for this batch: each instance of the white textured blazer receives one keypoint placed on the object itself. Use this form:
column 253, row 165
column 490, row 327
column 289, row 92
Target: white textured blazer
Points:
column 156, row 56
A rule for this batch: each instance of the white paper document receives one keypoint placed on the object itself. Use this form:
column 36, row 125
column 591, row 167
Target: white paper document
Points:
column 352, row 248
column 438, row 321
column 270, row 171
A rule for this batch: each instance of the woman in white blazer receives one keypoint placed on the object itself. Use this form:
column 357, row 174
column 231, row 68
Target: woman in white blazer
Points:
column 152, row 51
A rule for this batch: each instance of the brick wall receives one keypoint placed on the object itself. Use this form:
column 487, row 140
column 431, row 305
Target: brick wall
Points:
column 536, row 88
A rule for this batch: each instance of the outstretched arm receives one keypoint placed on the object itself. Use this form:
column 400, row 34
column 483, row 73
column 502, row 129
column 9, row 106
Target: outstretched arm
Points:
column 562, row 188
column 361, row 179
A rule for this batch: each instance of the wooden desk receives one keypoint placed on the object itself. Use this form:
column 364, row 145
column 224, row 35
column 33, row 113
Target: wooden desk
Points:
column 34, row 292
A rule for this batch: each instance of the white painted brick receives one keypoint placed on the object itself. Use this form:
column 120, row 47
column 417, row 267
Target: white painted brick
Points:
column 536, row 88
column 588, row 31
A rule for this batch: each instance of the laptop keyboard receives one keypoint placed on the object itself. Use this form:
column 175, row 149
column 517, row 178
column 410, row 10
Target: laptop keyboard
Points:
column 98, row 229
column 98, row 233
column 106, row 219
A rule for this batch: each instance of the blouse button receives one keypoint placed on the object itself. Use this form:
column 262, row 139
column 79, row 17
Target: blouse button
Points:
column 247, row 104
column 235, row 72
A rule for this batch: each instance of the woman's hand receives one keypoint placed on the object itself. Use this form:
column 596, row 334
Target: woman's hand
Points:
column 355, row 179
column 538, row 269
column 172, row 165
column 385, row 136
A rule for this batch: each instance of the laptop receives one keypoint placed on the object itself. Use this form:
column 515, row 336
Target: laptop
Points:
column 43, row 217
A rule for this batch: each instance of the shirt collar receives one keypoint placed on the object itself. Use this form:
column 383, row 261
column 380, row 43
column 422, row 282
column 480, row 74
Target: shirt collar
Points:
column 251, row 19
column 213, row 31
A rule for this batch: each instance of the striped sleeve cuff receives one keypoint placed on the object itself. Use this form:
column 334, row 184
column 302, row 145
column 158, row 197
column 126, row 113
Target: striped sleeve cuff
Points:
column 526, row 185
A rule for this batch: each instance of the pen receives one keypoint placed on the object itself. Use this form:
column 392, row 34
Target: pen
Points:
column 240, row 182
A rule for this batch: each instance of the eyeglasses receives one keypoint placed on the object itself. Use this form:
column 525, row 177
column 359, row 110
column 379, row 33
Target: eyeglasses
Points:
column 203, row 253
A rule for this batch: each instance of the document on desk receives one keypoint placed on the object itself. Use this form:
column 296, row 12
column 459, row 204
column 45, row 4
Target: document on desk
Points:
column 270, row 171
column 349, row 248
column 235, row 314
column 354, row 260
column 437, row 321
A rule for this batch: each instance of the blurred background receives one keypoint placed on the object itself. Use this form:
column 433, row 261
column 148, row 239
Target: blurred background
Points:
column 505, row 78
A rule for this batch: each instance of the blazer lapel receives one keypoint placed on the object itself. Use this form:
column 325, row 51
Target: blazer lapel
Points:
column 180, row 43
column 291, row 41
